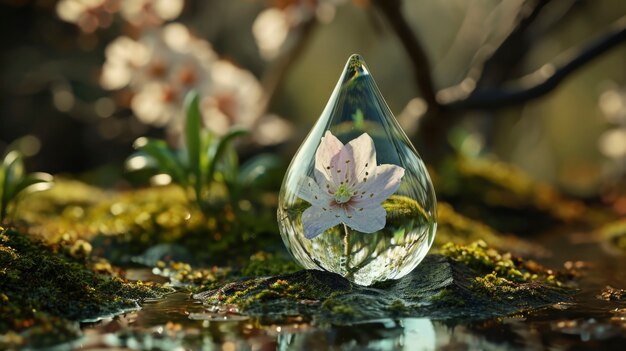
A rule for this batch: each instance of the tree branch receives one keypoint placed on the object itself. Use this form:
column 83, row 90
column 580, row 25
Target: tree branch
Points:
column 498, row 98
column 275, row 76
column 392, row 11
column 490, row 68
column 508, row 53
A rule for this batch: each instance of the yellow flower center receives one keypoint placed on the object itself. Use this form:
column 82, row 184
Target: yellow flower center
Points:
column 343, row 194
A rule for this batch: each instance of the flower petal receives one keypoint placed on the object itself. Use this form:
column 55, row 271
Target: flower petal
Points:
column 326, row 153
column 355, row 160
column 315, row 221
column 366, row 220
column 342, row 167
column 364, row 157
column 309, row 191
column 378, row 187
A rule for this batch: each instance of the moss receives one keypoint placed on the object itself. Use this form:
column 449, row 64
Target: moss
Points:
column 263, row 264
column 502, row 276
column 182, row 274
column 614, row 233
column 303, row 290
column 501, row 193
column 398, row 307
column 453, row 227
column 510, row 182
column 338, row 309
column 260, row 264
column 447, row 297
column 610, row 293
column 400, row 208
column 263, row 291
column 499, row 288
column 124, row 224
column 244, row 297
column 281, row 285
column 440, row 288
column 485, row 260
column 33, row 301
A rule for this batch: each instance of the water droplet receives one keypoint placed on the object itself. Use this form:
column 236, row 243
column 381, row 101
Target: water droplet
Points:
column 374, row 217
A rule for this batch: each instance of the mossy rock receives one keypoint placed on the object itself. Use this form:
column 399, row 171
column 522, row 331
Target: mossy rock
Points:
column 121, row 225
column 441, row 287
column 45, row 291
column 614, row 235
column 261, row 264
column 124, row 225
column 503, row 195
column 453, row 227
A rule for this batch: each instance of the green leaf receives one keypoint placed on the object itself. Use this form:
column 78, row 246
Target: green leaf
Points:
column 26, row 183
column 165, row 158
column 148, row 162
column 229, row 165
column 217, row 152
column 359, row 119
column 207, row 141
column 13, row 170
column 193, row 129
column 260, row 170
column 2, row 204
column 13, row 181
column 14, row 165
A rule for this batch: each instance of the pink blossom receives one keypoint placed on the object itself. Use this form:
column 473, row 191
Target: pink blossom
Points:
column 349, row 187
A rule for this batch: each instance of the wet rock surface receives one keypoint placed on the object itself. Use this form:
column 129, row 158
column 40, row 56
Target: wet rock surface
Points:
column 439, row 288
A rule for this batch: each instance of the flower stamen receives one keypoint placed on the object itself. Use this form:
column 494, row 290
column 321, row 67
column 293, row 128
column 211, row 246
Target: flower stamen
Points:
column 343, row 194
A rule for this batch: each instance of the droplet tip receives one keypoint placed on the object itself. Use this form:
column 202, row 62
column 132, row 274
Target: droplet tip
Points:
column 355, row 57
column 356, row 64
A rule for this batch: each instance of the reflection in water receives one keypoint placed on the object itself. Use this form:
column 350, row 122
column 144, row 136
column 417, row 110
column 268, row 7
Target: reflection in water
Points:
column 419, row 334
column 384, row 334
column 181, row 323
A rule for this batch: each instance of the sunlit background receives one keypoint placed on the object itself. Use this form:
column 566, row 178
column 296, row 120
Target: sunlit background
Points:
column 82, row 79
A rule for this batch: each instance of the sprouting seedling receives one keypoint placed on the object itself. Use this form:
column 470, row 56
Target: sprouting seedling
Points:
column 14, row 182
column 195, row 167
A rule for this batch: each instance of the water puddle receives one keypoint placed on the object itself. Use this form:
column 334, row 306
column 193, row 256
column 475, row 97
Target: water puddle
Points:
column 177, row 322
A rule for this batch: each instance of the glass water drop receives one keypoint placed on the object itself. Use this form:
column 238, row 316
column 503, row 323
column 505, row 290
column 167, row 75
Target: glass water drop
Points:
column 357, row 199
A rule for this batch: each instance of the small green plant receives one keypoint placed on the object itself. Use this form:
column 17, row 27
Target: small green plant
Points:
column 15, row 182
column 205, row 160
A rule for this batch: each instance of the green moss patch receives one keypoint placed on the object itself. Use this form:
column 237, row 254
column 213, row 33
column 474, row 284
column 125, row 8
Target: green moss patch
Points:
column 453, row 227
column 615, row 234
column 266, row 264
column 485, row 260
column 46, row 290
column 441, row 287
column 610, row 293
column 503, row 195
column 122, row 225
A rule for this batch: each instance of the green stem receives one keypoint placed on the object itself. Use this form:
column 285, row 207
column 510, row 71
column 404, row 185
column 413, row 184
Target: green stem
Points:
column 346, row 249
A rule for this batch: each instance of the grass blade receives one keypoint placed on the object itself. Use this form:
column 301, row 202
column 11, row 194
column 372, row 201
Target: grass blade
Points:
column 166, row 160
column 2, row 204
column 13, row 170
column 218, row 151
column 260, row 170
column 193, row 126
column 31, row 179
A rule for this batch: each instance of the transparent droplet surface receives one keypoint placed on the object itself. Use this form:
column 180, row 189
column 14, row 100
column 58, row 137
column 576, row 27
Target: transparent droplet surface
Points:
column 357, row 199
